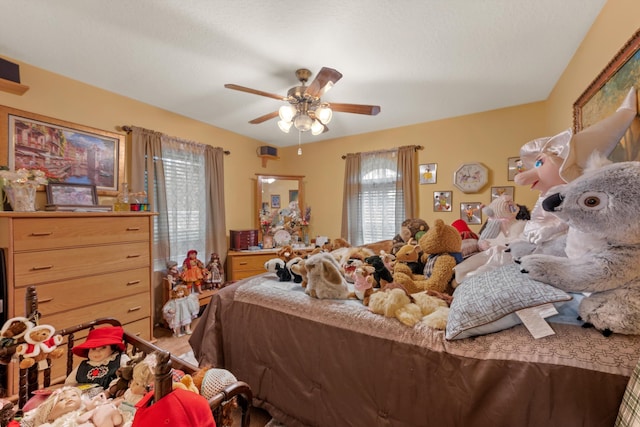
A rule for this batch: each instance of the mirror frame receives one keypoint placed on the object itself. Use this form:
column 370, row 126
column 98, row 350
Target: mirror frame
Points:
column 258, row 194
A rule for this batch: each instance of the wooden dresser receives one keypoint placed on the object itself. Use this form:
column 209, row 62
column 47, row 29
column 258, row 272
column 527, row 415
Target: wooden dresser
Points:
column 242, row 264
column 83, row 265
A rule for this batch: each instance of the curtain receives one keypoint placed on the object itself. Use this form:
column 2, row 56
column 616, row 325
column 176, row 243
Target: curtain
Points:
column 380, row 191
column 185, row 184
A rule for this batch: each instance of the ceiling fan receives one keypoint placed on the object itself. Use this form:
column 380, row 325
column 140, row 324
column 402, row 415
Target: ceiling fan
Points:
column 306, row 111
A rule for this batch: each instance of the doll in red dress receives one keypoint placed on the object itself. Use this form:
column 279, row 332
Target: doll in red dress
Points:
column 193, row 271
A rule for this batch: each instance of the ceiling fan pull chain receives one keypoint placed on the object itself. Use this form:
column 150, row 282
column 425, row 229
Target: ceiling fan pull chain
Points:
column 299, row 143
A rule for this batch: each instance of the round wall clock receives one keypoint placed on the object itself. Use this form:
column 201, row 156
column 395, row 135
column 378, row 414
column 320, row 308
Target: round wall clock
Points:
column 471, row 177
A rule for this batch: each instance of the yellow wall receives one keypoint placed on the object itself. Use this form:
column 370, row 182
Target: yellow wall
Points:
column 489, row 138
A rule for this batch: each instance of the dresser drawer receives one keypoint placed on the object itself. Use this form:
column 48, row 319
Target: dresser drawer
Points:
column 35, row 267
column 50, row 233
column 251, row 262
column 71, row 294
column 126, row 310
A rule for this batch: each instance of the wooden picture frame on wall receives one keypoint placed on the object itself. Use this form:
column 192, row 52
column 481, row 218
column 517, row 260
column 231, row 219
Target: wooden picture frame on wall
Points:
column 66, row 152
column 606, row 93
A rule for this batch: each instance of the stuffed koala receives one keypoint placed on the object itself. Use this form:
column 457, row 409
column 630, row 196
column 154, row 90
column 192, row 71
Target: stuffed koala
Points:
column 601, row 208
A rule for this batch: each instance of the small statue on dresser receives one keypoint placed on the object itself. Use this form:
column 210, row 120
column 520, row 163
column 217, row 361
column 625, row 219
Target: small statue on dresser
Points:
column 215, row 277
column 193, row 271
column 180, row 310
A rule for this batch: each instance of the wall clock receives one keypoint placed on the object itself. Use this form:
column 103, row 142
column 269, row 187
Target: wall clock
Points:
column 471, row 177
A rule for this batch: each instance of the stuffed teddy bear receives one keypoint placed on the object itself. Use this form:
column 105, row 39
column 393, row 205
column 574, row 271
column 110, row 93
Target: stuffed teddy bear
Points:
column 601, row 208
column 410, row 309
column 442, row 243
column 325, row 278
column 41, row 342
column 501, row 225
column 412, row 228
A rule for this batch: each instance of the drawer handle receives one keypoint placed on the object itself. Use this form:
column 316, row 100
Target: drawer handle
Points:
column 135, row 308
column 133, row 256
column 43, row 300
column 133, row 228
column 243, row 263
column 41, row 233
column 43, row 267
column 133, row 282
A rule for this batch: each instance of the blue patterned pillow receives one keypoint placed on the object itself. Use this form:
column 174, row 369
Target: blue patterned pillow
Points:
column 488, row 302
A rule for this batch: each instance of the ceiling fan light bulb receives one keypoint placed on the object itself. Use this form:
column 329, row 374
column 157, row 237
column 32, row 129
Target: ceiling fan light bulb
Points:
column 324, row 114
column 316, row 128
column 285, row 126
column 302, row 122
column 286, row 112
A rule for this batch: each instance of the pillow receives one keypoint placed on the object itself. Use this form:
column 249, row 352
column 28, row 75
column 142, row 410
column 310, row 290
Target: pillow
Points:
column 487, row 302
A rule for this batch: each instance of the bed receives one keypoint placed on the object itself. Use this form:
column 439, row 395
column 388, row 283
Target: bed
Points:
column 313, row 362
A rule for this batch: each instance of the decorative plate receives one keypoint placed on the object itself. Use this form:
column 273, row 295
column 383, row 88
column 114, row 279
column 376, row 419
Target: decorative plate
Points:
column 282, row 237
column 471, row 177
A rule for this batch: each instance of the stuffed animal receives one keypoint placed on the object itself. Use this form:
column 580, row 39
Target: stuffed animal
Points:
column 12, row 330
column 409, row 256
column 295, row 277
column 601, row 208
column 362, row 285
column 274, row 264
column 300, row 269
column 325, row 278
column 442, row 243
column 381, row 275
column 41, row 343
column 412, row 228
column 410, row 309
column 502, row 225
column 469, row 238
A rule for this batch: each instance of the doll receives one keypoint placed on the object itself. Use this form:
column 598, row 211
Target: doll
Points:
column 193, row 271
column 173, row 274
column 65, row 407
column 103, row 351
column 216, row 272
column 180, row 310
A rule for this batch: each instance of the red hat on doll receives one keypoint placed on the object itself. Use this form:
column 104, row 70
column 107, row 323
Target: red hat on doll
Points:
column 464, row 230
column 100, row 337
column 180, row 408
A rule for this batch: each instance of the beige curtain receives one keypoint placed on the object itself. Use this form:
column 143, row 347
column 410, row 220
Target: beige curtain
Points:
column 351, row 207
column 216, row 220
column 408, row 179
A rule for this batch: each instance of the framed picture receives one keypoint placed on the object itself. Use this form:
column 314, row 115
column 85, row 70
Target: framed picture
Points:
column 514, row 166
column 499, row 191
column 471, row 212
column 428, row 173
column 605, row 94
column 66, row 152
column 62, row 194
column 442, row 201
column 293, row 196
column 275, row 201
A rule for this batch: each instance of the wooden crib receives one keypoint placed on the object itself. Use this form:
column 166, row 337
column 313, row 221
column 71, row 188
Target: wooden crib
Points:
column 33, row 378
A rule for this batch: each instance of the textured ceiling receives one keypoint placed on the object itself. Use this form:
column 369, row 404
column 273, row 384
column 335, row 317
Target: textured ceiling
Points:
column 419, row 60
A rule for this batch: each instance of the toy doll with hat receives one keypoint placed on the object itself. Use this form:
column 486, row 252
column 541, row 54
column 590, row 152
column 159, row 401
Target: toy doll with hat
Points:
column 193, row 271
column 103, row 353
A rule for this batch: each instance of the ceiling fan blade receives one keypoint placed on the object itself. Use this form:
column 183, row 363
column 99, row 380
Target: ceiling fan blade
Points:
column 324, row 81
column 264, row 118
column 255, row 92
column 370, row 110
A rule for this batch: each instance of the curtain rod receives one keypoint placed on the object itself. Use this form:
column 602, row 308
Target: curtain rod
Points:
column 128, row 129
column 415, row 147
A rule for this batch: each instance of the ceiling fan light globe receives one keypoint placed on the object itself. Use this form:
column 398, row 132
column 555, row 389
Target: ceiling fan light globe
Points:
column 317, row 128
column 302, row 122
column 324, row 114
column 286, row 112
column 285, row 126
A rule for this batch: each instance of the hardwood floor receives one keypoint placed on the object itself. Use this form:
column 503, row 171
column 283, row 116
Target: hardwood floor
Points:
column 180, row 345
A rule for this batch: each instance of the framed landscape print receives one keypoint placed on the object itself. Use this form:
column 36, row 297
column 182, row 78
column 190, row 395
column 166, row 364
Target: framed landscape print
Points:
column 442, row 201
column 428, row 172
column 67, row 152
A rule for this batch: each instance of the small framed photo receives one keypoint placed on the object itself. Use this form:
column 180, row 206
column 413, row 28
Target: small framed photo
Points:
column 514, row 167
column 471, row 212
column 275, row 201
column 500, row 191
column 442, row 201
column 64, row 194
column 428, row 172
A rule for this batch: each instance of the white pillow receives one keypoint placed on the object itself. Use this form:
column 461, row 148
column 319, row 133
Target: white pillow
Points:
column 487, row 302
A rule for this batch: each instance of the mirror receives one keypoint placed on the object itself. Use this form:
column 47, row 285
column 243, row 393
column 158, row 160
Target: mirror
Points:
column 274, row 192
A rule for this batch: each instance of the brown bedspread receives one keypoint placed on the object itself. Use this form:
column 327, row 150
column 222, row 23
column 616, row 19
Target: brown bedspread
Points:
column 333, row 363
